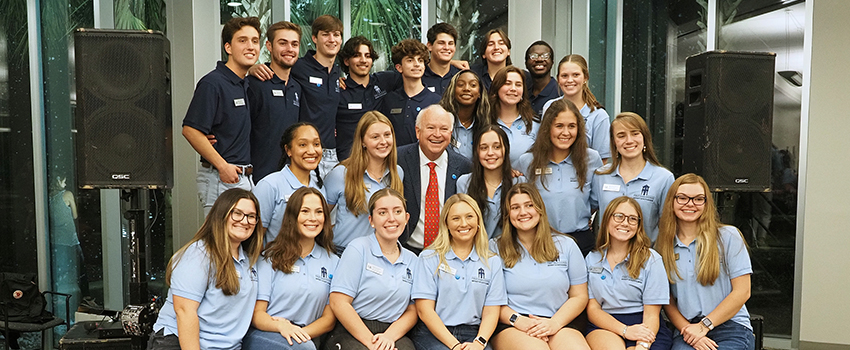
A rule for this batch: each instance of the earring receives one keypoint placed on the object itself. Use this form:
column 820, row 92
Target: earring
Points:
column 644, row 149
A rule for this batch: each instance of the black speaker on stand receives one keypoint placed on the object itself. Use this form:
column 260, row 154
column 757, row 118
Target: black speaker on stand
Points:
column 728, row 119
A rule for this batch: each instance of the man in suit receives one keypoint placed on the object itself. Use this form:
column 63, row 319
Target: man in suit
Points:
column 434, row 132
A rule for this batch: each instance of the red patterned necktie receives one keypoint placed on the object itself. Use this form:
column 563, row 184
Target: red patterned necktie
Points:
column 432, row 207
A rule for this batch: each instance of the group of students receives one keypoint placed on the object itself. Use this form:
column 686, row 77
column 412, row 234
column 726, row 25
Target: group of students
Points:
column 507, row 260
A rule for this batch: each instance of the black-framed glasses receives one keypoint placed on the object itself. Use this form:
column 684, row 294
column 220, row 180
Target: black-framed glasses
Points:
column 536, row 56
column 683, row 200
column 237, row 215
column 620, row 217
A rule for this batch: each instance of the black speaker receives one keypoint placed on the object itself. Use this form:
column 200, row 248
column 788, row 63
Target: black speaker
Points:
column 728, row 119
column 123, row 113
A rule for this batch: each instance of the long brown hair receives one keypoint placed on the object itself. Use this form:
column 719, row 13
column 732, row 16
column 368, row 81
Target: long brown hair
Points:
column 443, row 243
column 630, row 121
column 543, row 248
column 588, row 96
column 216, row 240
column 523, row 107
column 505, row 38
column 639, row 243
column 477, row 187
column 355, row 165
column 285, row 249
column 708, row 237
column 542, row 147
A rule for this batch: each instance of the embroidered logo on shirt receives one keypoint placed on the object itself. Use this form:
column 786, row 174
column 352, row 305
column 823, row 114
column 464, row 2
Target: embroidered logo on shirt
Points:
column 644, row 190
column 482, row 277
column 324, row 276
column 408, row 276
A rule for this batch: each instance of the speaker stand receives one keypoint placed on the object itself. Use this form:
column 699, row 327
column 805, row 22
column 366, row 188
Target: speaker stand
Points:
column 135, row 216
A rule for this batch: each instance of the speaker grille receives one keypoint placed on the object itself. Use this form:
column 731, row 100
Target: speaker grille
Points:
column 123, row 109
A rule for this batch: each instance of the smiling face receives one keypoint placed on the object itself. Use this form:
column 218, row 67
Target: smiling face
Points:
column 628, row 139
column 510, row 93
column 467, row 89
column 524, row 216
column 434, row 132
column 490, row 151
column 411, row 67
column 541, row 64
column 564, row 130
column 688, row 212
column 571, row 79
column 462, row 222
column 378, row 140
column 361, row 63
column 623, row 231
column 388, row 218
column 328, row 43
column 239, row 231
column 497, row 50
column 305, row 150
column 311, row 216
column 244, row 48
column 442, row 49
column 284, row 48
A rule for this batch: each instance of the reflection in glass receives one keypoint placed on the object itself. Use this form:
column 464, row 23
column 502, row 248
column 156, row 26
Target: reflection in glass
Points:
column 385, row 23
column 261, row 9
column 472, row 19
column 304, row 12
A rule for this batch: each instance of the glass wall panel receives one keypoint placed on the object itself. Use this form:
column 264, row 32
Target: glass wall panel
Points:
column 385, row 23
column 473, row 18
column 600, row 60
column 261, row 9
column 768, row 220
column 304, row 12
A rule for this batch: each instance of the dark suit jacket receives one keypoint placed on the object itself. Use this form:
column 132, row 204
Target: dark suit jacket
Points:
column 408, row 159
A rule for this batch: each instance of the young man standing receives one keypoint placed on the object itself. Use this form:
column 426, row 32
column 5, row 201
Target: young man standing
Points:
column 275, row 103
column 442, row 38
column 403, row 105
column 220, row 107
column 538, row 61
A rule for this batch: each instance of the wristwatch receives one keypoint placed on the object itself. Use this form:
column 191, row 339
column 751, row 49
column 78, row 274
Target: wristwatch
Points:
column 707, row 323
column 481, row 340
column 513, row 319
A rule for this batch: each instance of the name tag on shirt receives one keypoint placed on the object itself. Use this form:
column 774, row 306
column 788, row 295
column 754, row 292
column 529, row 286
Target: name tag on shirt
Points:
column 355, row 106
column 455, row 143
column 238, row 102
column 278, row 93
column 395, row 111
column 546, row 171
column 377, row 270
column 316, row 80
column 432, row 89
column 447, row 269
column 296, row 269
column 595, row 269
column 611, row 187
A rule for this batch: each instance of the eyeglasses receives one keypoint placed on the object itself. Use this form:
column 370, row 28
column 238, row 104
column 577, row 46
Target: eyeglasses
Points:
column 683, row 199
column 619, row 217
column 237, row 215
column 535, row 56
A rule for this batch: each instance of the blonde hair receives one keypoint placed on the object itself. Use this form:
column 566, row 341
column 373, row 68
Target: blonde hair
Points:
column 216, row 240
column 443, row 243
column 355, row 165
column 639, row 243
column 543, row 248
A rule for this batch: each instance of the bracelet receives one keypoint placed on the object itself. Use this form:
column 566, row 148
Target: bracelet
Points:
column 645, row 345
column 624, row 331
column 453, row 347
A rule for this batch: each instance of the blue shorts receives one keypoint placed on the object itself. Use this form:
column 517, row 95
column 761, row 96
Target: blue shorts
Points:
column 663, row 338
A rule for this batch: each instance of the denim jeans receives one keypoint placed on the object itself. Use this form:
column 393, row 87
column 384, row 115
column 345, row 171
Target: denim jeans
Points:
column 424, row 340
column 728, row 335
column 210, row 186
column 329, row 161
column 256, row 339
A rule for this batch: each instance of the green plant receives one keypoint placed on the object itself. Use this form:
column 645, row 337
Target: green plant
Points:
column 464, row 16
column 385, row 23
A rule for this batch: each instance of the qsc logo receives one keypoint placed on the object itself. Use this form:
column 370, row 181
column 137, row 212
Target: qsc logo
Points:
column 121, row 176
column 742, row 181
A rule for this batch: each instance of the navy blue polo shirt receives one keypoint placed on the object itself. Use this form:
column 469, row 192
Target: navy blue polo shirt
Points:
column 355, row 100
column 321, row 95
column 549, row 92
column 402, row 111
column 481, row 69
column 274, row 107
column 220, row 107
column 436, row 83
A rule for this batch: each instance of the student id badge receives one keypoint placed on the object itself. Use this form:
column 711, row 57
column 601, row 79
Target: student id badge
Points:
column 543, row 171
column 448, row 269
column 238, row 102
column 355, row 106
column 316, row 80
column 277, row 92
column 611, row 187
column 374, row 269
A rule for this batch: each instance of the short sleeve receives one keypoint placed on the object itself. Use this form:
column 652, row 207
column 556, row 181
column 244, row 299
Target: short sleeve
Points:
column 425, row 278
column 348, row 271
column 463, row 184
column 201, row 112
column 496, row 292
column 656, row 289
column 266, row 194
column 601, row 133
column 265, row 279
column 186, row 279
column 737, row 256
column 577, row 269
column 335, row 185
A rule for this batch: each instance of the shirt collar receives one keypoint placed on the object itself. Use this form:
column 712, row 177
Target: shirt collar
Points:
column 473, row 255
column 242, row 257
column 375, row 248
column 442, row 161
column 645, row 173
column 231, row 77
column 293, row 181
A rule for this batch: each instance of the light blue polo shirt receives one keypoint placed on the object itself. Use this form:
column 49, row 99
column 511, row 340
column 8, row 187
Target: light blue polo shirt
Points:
column 541, row 288
column 518, row 136
column 649, row 189
column 619, row 293
column 462, row 139
column 494, row 205
column 381, row 290
column 299, row 296
column 463, row 288
column 568, row 207
column 694, row 299
column 223, row 320
column 273, row 193
column 597, row 126
column 348, row 226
